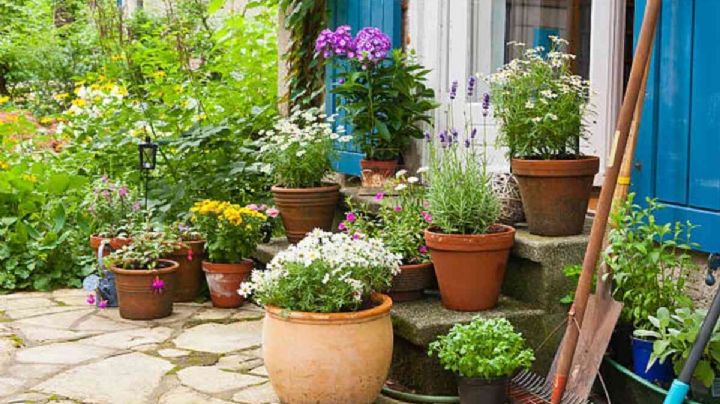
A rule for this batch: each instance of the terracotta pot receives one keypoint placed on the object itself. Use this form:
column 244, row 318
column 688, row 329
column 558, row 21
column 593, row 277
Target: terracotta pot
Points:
column 411, row 282
column 136, row 297
column 224, row 281
column 305, row 209
column 470, row 267
column 555, row 193
column 328, row 358
column 115, row 243
column 190, row 276
column 376, row 172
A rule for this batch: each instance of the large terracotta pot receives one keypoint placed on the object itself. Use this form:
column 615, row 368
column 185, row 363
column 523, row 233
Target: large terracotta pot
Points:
column 115, row 243
column 411, row 282
column 190, row 276
column 328, row 358
column 136, row 297
column 376, row 172
column 224, row 281
column 305, row 209
column 470, row 267
column 555, row 193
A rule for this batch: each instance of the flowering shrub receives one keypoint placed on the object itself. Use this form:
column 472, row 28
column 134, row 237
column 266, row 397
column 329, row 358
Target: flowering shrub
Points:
column 231, row 232
column 324, row 273
column 540, row 104
column 385, row 101
column 400, row 221
column 298, row 151
column 143, row 252
column 485, row 348
column 113, row 208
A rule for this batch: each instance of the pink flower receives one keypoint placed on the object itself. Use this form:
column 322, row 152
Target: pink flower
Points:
column 158, row 284
column 423, row 249
column 427, row 216
column 103, row 304
column 252, row 206
column 397, row 208
column 263, row 207
column 106, row 194
column 350, row 216
column 136, row 205
column 342, row 226
column 90, row 299
column 356, row 236
column 190, row 255
column 104, row 178
column 379, row 196
column 272, row 212
column 122, row 192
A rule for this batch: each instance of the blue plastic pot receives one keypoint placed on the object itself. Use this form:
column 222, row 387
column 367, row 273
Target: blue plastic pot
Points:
column 658, row 372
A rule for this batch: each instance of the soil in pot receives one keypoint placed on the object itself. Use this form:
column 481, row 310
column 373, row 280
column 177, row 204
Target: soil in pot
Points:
column 485, row 391
column 376, row 172
column 555, row 193
column 411, row 282
column 661, row 373
column 190, row 278
column 305, row 209
column 328, row 358
column 224, row 281
column 470, row 268
column 136, row 297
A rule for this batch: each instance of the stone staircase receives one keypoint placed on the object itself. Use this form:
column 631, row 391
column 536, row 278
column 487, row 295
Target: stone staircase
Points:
column 534, row 284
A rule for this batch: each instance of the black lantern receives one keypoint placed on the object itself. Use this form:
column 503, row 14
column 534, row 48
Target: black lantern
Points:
column 148, row 154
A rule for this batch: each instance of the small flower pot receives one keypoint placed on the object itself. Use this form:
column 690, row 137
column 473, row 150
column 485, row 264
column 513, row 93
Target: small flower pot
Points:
column 224, row 281
column 658, row 372
column 411, row 282
column 190, row 276
column 485, row 391
column 305, row 209
column 328, row 358
column 470, row 267
column 115, row 243
column 376, row 172
column 137, row 298
column 555, row 193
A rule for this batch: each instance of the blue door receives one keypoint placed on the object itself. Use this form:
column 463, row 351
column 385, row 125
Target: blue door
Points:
column 678, row 156
column 383, row 14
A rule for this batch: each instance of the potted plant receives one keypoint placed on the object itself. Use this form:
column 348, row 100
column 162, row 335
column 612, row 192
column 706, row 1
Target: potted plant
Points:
column 468, row 248
column 484, row 354
column 231, row 234
column 384, row 100
column 188, row 253
column 399, row 222
column 145, row 282
column 540, row 104
column 651, row 264
column 113, row 208
column 298, row 153
column 327, row 332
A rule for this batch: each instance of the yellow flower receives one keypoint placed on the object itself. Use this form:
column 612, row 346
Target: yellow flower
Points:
column 46, row 120
column 61, row 96
column 79, row 102
column 30, row 178
column 4, row 165
column 4, row 99
column 115, row 58
column 159, row 74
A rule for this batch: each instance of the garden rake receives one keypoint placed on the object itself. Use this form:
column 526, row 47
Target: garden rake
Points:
column 581, row 350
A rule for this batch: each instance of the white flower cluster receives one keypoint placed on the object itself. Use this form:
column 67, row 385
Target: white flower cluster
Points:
column 304, row 129
column 338, row 251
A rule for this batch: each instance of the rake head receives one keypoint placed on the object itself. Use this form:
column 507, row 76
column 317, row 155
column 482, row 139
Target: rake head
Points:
column 530, row 388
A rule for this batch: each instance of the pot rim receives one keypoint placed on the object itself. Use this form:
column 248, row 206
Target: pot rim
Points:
column 416, row 266
column 326, row 188
column 584, row 166
column 194, row 245
column 497, row 241
column 162, row 271
column 393, row 161
column 244, row 262
column 355, row 317
column 482, row 380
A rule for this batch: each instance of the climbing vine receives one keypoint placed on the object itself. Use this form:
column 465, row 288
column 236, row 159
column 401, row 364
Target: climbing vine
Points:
column 304, row 19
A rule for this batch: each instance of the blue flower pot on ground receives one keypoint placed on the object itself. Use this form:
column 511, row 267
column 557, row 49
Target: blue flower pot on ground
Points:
column 659, row 372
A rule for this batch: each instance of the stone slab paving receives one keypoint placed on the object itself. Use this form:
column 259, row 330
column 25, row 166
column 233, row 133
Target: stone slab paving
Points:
column 55, row 348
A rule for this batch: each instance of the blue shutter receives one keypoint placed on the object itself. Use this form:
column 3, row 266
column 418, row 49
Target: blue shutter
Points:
column 678, row 155
column 383, row 14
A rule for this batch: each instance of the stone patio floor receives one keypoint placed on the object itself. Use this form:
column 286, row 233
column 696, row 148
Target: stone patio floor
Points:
column 56, row 348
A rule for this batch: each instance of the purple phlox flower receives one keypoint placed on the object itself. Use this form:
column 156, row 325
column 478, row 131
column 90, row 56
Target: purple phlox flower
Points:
column 90, row 299
column 471, row 86
column 486, row 104
column 272, row 212
column 427, row 216
column 323, row 43
column 371, row 45
column 473, row 133
column 342, row 226
column 350, row 216
column 103, row 304
column 397, row 208
column 341, row 80
column 356, row 236
column 123, row 191
column 423, row 249
column 158, row 284
column 379, row 196
column 136, row 205
column 453, row 89
column 252, row 206
column 342, row 41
